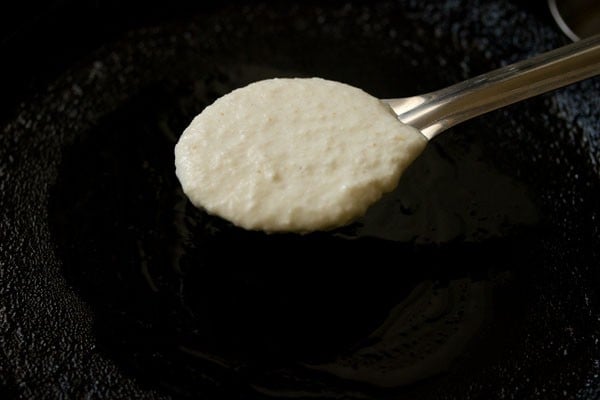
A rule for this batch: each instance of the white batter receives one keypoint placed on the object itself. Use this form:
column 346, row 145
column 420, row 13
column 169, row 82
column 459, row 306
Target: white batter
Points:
column 294, row 155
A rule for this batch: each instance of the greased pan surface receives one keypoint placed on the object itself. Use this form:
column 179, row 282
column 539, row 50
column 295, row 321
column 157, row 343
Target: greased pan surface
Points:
column 477, row 278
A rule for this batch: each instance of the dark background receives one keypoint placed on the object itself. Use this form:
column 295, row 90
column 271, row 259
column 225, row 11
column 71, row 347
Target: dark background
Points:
column 39, row 39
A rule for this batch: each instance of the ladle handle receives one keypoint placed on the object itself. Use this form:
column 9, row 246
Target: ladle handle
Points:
column 437, row 111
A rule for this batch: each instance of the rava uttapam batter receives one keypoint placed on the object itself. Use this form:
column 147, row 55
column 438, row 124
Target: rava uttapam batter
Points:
column 295, row 155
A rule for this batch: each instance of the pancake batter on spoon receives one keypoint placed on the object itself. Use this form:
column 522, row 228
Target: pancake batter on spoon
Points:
column 300, row 155
column 294, row 154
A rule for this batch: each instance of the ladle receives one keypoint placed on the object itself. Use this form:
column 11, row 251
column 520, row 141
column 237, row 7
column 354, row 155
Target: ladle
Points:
column 434, row 112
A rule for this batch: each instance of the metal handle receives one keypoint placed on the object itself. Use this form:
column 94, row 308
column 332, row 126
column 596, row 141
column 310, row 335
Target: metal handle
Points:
column 437, row 111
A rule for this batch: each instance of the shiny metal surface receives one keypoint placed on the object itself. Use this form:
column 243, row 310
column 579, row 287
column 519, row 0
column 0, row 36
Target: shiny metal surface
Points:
column 434, row 112
column 576, row 18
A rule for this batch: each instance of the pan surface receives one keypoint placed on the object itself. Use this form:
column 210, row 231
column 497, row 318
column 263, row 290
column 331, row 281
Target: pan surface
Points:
column 476, row 278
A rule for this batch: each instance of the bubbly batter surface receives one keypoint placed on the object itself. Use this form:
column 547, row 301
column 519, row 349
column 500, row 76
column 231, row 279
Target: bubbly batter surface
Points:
column 294, row 155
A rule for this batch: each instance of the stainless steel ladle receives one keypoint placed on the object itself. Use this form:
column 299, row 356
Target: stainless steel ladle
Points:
column 433, row 113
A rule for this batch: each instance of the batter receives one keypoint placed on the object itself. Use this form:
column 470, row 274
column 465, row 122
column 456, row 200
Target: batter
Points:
column 295, row 155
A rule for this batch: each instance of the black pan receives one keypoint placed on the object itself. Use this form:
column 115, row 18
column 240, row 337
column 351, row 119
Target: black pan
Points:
column 477, row 278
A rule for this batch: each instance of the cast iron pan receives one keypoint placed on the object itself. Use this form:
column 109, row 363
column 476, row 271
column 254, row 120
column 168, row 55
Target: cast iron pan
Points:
column 477, row 278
